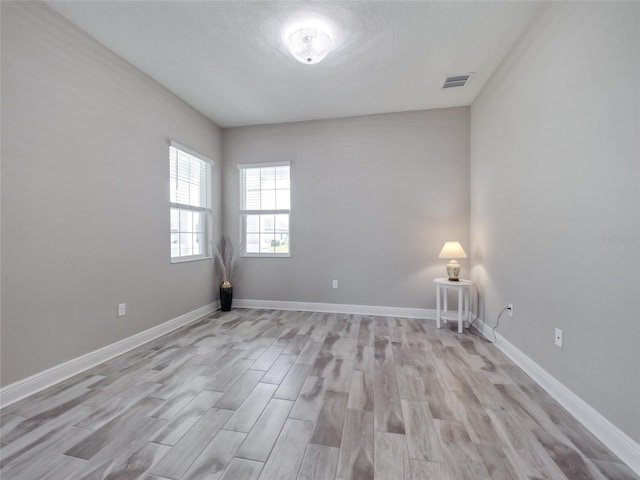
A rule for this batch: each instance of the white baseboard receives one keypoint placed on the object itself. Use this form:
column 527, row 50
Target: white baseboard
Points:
column 28, row 386
column 615, row 439
column 423, row 313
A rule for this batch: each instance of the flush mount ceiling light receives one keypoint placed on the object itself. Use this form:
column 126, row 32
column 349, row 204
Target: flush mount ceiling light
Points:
column 309, row 45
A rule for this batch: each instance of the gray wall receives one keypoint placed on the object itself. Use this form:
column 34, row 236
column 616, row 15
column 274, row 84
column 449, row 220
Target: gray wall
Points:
column 374, row 198
column 555, row 204
column 85, row 220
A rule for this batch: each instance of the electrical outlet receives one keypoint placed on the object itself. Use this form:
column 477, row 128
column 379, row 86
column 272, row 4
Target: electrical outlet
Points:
column 122, row 309
column 335, row 284
column 558, row 337
column 510, row 311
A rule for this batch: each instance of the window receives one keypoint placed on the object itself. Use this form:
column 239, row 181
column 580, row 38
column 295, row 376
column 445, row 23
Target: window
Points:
column 264, row 209
column 190, row 200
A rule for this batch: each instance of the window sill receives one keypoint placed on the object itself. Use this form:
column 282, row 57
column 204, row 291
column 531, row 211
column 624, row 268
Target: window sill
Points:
column 189, row 259
column 265, row 255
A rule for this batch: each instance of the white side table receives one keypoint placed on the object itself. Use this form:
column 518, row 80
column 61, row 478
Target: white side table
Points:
column 464, row 290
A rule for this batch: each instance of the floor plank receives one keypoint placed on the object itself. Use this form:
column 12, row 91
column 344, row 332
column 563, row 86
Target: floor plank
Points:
column 422, row 438
column 423, row 470
column 319, row 463
column 361, row 395
column 186, row 418
column 241, row 468
column 292, row 382
column 279, row 369
column 330, row 423
column 288, row 452
column 28, row 462
column 239, row 390
column 356, row 450
column 211, row 463
column 389, row 452
column 264, row 434
column 250, row 410
column 182, row 455
column 266, row 360
column 91, row 445
column 129, row 464
column 309, row 402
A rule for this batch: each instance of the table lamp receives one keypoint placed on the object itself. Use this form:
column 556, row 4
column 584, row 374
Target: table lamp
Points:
column 453, row 250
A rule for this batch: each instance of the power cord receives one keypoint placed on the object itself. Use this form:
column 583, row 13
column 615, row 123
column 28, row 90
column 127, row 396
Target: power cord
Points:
column 477, row 302
column 493, row 329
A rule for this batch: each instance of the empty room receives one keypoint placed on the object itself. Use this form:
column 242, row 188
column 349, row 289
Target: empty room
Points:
column 319, row 240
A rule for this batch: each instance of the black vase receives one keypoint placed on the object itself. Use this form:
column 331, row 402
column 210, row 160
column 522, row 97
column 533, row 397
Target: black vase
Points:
column 226, row 297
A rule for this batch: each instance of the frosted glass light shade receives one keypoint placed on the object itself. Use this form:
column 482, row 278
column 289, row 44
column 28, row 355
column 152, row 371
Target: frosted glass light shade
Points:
column 452, row 250
column 309, row 45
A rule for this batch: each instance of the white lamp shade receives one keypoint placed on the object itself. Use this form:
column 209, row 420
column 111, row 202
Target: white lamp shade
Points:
column 452, row 250
column 309, row 45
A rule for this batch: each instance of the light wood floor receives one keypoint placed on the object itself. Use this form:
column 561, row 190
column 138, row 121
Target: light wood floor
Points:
column 272, row 395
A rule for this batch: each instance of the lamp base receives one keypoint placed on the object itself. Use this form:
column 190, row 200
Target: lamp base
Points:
column 453, row 271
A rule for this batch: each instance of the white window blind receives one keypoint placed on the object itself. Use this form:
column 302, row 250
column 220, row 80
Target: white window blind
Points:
column 190, row 204
column 265, row 206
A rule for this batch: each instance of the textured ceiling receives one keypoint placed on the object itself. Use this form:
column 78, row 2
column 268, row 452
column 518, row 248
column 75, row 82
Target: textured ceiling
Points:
column 228, row 59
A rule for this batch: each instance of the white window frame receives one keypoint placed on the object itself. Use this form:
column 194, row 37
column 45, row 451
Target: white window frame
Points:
column 245, row 212
column 206, row 209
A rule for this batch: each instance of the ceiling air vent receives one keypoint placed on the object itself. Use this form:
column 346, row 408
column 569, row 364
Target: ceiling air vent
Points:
column 457, row 80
